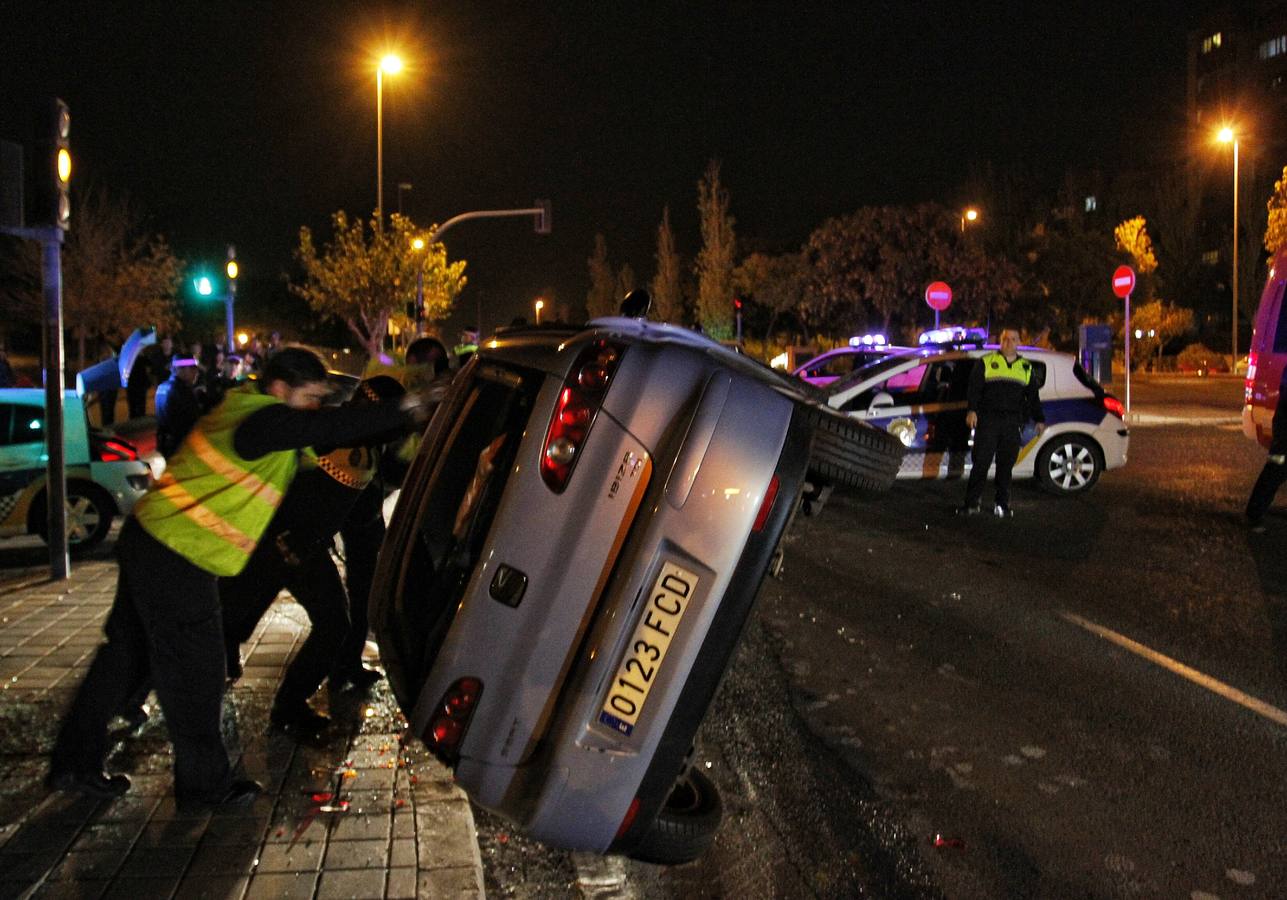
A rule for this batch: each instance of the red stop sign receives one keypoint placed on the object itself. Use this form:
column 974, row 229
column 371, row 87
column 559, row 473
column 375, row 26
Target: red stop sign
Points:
column 1123, row 281
column 938, row 295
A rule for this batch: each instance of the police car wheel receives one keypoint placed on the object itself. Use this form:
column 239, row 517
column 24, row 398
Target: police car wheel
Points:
column 1069, row 464
column 850, row 453
column 89, row 516
column 686, row 824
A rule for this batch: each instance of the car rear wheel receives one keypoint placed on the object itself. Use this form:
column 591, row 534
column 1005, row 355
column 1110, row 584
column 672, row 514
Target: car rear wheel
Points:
column 686, row 824
column 849, row 453
column 1069, row 464
column 89, row 516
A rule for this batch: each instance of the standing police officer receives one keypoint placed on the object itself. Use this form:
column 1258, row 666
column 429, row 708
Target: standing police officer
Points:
column 1002, row 396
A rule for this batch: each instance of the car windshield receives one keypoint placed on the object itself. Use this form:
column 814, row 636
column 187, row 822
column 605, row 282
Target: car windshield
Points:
column 873, row 369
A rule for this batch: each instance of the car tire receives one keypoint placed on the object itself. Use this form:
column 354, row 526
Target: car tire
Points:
column 850, row 453
column 1069, row 464
column 89, row 516
column 686, row 824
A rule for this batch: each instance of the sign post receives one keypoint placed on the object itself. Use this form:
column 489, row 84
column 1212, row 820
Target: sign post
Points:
column 938, row 296
column 1123, row 285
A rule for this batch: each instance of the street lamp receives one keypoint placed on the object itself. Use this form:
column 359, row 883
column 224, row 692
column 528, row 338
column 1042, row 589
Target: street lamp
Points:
column 970, row 215
column 539, row 305
column 392, row 64
column 1227, row 136
column 418, row 245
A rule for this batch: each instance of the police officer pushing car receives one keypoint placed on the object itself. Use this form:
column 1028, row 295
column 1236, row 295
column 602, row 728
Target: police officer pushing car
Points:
column 1002, row 396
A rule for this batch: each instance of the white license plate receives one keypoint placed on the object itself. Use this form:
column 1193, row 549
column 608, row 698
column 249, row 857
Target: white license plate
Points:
column 667, row 603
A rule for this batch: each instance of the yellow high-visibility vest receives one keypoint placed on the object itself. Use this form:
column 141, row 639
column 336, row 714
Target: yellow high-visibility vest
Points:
column 211, row 506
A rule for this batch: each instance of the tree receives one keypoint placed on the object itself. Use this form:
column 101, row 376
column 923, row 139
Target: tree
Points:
column 776, row 284
column 1276, row 229
column 601, row 299
column 714, row 267
column 869, row 269
column 362, row 276
column 1165, row 321
column 1132, row 239
column 667, row 293
column 1069, row 267
column 625, row 282
column 116, row 278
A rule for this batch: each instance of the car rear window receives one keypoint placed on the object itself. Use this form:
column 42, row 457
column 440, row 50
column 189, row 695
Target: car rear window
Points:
column 1274, row 293
column 1088, row 380
column 454, row 513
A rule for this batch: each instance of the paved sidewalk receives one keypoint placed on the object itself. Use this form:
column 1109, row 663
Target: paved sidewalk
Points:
column 360, row 816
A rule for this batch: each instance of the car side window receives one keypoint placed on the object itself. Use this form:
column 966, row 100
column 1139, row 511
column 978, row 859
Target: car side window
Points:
column 21, row 424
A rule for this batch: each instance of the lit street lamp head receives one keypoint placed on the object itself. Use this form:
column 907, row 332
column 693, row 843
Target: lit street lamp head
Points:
column 1225, row 135
column 391, row 64
column 971, row 214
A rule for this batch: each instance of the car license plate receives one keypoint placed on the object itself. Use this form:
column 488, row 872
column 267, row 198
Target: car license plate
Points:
column 671, row 594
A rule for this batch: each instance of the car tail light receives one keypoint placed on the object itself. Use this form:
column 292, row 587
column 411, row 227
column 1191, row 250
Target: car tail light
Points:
column 578, row 404
column 450, row 720
column 1114, row 406
column 766, row 507
column 114, row 449
column 1253, row 359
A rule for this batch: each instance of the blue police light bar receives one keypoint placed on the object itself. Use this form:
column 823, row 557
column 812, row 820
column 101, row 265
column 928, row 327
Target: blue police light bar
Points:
column 867, row 340
column 953, row 334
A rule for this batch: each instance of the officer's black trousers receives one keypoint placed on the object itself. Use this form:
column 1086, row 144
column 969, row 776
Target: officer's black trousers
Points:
column 363, row 532
column 1271, row 479
column 996, row 436
column 164, row 624
column 315, row 584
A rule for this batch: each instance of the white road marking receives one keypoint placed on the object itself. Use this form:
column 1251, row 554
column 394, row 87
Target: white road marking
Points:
column 1260, row 707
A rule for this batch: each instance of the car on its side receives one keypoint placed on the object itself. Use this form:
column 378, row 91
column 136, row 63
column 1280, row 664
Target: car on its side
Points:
column 576, row 548
column 105, row 476
column 920, row 397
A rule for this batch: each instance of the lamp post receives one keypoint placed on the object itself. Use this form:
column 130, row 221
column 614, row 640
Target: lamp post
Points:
column 418, row 245
column 392, row 64
column 539, row 305
column 971, row 215
column 1226, row 136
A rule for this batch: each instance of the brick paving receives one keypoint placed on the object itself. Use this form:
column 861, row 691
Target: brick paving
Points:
column 357, row 816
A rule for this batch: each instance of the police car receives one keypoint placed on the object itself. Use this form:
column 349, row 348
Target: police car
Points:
column 105, row 475
column 829, row 367
column 920, row 397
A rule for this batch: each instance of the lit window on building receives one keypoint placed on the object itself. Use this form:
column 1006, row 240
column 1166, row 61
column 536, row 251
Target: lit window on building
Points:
column 1273, row 47
column 1212, row 42
column 1091, row 203
column 1211, row 258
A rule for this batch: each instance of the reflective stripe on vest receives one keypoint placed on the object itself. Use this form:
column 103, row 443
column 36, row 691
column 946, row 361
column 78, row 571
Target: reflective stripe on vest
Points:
column 995, row 368
column 211, row 506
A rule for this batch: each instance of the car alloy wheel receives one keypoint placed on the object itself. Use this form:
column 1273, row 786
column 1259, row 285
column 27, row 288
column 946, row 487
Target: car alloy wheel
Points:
column 1069, row 464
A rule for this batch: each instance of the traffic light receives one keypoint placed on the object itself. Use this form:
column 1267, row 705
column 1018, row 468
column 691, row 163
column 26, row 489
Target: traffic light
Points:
column 737, row 304
column 53, row 165
column 203, row 285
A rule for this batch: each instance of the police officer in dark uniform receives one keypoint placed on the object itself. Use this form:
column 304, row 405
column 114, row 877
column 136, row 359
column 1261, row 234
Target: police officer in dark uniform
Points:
column 1003, row 395
column 177, row 405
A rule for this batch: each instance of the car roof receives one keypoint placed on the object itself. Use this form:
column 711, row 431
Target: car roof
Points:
column 930, row 353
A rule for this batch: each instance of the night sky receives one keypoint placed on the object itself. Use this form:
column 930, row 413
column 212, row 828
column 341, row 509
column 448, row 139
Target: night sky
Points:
column 238, row 122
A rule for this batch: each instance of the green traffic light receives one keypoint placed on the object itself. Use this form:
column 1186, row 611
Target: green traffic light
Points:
column 203, row 285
